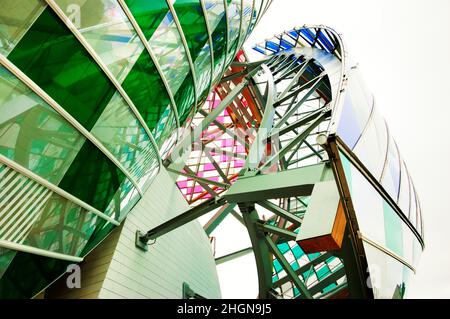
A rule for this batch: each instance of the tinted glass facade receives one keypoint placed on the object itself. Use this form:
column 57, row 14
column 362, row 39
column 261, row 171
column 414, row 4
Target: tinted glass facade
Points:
column 93, row 94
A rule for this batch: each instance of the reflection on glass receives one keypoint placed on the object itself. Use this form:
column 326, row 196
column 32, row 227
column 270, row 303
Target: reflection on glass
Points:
column 217, row 20
column 190, row 15
column 106, row 28
column 377, row 220
column 391, row 175
column 356, row 110
column 234, row 23
column 16, row 17
column 371, row 148
column 388, row 276
column 247, row 16
column 32, row 134
column 57, row 62
column 120, row 131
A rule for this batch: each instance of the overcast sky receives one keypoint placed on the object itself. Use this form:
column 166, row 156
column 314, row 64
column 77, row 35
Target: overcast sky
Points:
column 403, row 50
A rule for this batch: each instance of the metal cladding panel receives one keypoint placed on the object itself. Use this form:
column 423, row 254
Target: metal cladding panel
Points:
column 321, row 211
column 183, row 255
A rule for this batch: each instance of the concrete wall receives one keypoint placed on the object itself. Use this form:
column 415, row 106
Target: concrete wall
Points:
column 183, row 255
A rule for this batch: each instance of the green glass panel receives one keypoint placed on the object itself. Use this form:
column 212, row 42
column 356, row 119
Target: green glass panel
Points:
column 148, row 14
column 277, row 266
column 393, row 229
column 102, row 230
column 92, row 177
column 322, row 272
column 296, row 292
column 108, row 31
column 217, row 20
column 168, row 136
column 329, row 288
column 16, row 17
column 165, row 41
column 284, row 247
column 146, row 89
column 29, row 274
column 55, row 60
column 32, row 134
column 190, row 15
column 62, row 227
column 297, row 251
column 185, row 99
column 122, row 134
column 6, row 257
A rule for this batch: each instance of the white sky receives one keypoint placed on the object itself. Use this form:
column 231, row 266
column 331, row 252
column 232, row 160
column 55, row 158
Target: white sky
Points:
column 403, row 50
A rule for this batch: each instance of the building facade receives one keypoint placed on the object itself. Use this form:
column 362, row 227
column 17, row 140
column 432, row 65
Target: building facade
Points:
column 126, row 120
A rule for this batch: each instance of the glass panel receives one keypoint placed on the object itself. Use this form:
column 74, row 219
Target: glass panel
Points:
column 413, row 205
column 388, row 276
column 165, row 41
column 148, row 14
column 145, row 88
column 54, row 59
column 247, row 16
column 391, row 178
column 403, row 196
column 371, row 148
column 121, row 133
column 106, row 28
column 217, row 20
column 32, row 134
column 190, row 15
column 256, row 11
column 234, row 23
column 92, row 177
column 16, row 16
column 377, row 220
column 62, row 227
column 393, row 230
column 356, row 110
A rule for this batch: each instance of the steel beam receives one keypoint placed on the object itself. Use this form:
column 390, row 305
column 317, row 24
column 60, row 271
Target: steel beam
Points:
column 288, row 269
column 218, row 218
column 283, row 184
column 178, row 221
column 282, row 213
column 232, row 256
column 281, row 232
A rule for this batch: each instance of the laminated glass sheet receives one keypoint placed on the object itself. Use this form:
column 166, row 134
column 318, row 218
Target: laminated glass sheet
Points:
column 62, row 227
column 377, row 220
column 217, row 20
column 356, row 110
column 106, row 28
column 121, row 133
column 404, row 194
column 391, row 176
column 256, row 12
column 54, row 59
column 109, row 32
column 372, row 146
column 16, row 17
column 388, row 277
column 145, row 88
column 192, row 20
column 246, row 19
column 92, row 177
column 234, row 23
column 32, row 133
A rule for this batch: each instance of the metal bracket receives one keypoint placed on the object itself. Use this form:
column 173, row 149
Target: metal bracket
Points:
column 140, row 241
